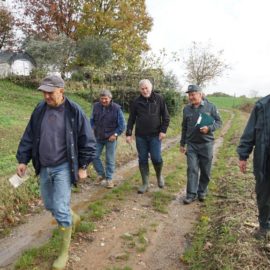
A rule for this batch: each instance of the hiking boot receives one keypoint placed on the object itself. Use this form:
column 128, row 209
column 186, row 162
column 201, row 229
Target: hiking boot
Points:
column 261, row 234
column 99, row 180
column 189, row 200
column 201, row 198
column 104, row 183
column 110, row 184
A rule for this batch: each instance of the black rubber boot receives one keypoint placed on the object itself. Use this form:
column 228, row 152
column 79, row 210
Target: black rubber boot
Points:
column 160, row 178
column 144, row 169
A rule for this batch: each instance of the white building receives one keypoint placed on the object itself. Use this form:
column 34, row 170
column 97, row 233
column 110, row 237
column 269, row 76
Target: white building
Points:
column 16, row 63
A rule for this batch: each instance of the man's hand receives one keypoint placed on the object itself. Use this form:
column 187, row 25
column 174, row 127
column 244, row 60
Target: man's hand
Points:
column 204, row 129
column 161, row 136
column 82, row 173
column 243, row 165
column 112, row 138
column 183, row 149
column 21, row 169
column 129, row 139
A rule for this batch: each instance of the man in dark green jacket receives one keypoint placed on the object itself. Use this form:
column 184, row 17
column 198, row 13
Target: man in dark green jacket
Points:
column 200, row 120
column 256, row 136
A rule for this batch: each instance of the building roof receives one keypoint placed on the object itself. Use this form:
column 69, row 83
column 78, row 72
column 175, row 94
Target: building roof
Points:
column 5, row 57
column 9, row 57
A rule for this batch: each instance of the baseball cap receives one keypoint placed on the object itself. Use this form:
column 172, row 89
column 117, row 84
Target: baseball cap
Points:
column 193, row 88
column 50, row 83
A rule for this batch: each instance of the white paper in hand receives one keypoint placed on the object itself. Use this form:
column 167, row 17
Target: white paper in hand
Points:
column 15, row 180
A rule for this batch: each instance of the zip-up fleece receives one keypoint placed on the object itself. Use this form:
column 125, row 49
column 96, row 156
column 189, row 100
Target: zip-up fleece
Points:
column 150, row 115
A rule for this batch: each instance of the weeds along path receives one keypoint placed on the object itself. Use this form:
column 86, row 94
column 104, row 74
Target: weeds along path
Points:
column 38, row 228
column 132, row 234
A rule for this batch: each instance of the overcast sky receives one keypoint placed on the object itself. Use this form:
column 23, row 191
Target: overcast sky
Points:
column 239, row 27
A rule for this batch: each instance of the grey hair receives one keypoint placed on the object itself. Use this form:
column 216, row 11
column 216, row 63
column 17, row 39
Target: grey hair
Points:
column 145, row 82
column 105, row 93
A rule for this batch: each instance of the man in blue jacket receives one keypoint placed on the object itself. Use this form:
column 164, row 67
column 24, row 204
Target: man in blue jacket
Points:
column 256, row 136
column 108, row 122
column 61, row 144
column 197, row 142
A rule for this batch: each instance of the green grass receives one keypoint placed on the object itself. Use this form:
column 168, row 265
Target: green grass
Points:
column 161, row 200
column 137, row 241
column 86, row 227
column 40, row 258
column 229, row 102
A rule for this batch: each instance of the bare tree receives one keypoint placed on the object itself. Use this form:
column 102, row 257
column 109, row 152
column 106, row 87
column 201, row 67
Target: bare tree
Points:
column 203, row 65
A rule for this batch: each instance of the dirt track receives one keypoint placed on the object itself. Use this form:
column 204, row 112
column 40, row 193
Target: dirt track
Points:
column 166, row 236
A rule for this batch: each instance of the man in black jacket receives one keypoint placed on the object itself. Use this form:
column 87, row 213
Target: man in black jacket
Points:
column 256, row 138
column 61, row 144
column 150, row 115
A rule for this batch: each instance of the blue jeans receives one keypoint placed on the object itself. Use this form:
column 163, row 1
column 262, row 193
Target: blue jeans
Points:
column 199, row 161
column 146, row 145
column 110, row 148
column 55, row 189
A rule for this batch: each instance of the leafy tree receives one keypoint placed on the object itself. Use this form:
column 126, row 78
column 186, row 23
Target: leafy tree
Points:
column 169, row 81
column 47, row 19
column 93, row 52
column 124, row 22
column 52, row 55
column 6, row 32
column 203, row 65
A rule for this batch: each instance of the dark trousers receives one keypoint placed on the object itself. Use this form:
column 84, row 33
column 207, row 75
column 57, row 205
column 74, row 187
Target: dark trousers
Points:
column 263, row 197
column 199, row 161
column 149, row 145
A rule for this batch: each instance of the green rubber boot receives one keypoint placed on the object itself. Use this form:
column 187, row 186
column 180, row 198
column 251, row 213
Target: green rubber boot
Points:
column 144, row 169
column 76, row 220
column 160, row 178
column 61, row 261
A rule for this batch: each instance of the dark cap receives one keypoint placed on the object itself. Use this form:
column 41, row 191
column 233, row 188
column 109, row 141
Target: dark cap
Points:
column 50, row 83
column 193, row 88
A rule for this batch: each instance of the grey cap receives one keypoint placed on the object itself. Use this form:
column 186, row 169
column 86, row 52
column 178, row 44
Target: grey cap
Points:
column 193, row 88
column 50, row 83
column 105, row 93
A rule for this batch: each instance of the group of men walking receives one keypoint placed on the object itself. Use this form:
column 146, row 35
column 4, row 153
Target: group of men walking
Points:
column 61, row 142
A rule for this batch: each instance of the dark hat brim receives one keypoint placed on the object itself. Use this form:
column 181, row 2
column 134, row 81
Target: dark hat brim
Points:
column 189, row 91
column 47, row 88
